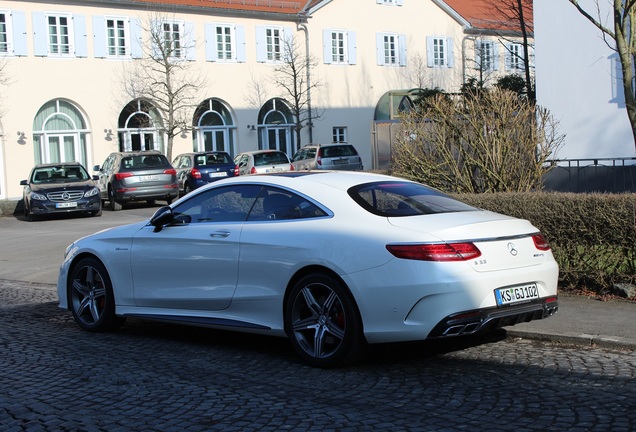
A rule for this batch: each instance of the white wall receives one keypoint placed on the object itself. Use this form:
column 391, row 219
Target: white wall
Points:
column 574, row 81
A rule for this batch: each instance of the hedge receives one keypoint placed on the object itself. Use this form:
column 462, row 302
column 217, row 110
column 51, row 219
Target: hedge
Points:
column 593, row 236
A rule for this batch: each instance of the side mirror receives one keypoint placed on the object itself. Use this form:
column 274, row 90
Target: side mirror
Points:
column 23, row 183
column 96, row 168
column 96, row 178
column 162, row 217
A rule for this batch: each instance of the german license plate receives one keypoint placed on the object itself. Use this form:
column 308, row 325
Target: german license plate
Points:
column 149, row 177
column 516, row 294
column 218, row 174
column 340, row 161
column 66, row 205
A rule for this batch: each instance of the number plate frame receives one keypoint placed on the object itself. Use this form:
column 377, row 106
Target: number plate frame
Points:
column 516, row 294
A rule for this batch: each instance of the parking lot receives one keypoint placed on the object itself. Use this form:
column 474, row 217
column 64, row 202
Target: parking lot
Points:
column 160, row 377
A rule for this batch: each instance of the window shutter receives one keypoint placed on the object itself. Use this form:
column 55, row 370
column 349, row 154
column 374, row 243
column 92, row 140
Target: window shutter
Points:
column 99, row 36
column 352, row 47
column 430, row 59
column 81, row 38
column 240, row 44
column 379, row 48
column 402, row 48
column 210, row 42
column 326, row 46
column 288, row 42
column 450, row 50
column 616, row 75
column 495, row 55
column 40, row 45
column 261, row 44
column 400, row 2
column 19, row 33
column 136, row 46
column 379, row 1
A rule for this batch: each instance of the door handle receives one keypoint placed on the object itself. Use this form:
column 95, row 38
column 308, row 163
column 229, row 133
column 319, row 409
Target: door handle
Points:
column 220, row 234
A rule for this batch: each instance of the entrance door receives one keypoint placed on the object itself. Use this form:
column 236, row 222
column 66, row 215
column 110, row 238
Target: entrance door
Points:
column 278, row 138
column 215, row 140
column 60, row 148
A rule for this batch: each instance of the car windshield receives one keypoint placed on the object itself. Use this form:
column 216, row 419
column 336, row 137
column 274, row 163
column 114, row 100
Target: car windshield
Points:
column 270, row 158
column 212, row 159
column 59, row 174
column 404, row 199
column 143, row 161
column 337, row 151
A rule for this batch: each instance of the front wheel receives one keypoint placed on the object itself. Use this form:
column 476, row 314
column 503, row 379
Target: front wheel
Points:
column 91, row 295
column 323, row 322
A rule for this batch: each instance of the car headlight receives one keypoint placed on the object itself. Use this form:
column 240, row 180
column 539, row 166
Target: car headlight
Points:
column 37, row 196
column 90, row 193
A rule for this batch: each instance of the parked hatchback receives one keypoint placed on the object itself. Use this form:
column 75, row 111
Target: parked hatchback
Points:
column 327, row 157
column 126, row 177
column 262, row 161
column 197, row 169
column 60, row 188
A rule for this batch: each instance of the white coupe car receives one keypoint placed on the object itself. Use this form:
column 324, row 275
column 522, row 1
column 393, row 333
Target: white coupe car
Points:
column 331, row 260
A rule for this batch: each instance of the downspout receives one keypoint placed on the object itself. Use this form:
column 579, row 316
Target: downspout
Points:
column 310, row 124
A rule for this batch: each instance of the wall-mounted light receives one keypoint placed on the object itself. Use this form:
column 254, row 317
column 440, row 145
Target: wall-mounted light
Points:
column 21, row 138
column 109, row 134
column 251, row 127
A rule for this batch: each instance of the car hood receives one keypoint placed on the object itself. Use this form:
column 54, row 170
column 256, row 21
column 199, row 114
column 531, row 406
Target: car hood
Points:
column 468, row 225
column 51, row 187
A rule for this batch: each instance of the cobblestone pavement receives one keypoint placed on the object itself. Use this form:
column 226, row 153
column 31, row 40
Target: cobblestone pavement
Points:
column 159, row 377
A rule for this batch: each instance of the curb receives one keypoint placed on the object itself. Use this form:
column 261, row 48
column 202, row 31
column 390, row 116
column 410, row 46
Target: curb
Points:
column 583, row 339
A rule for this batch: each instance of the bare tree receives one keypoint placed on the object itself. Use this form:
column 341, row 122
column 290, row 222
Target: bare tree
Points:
column 165, row 75
column 515, row 17
column 292, row 77
column 623, row 37
column 492, row 143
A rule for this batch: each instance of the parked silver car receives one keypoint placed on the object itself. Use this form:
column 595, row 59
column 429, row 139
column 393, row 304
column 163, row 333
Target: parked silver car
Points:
column 262, row 161
column 327, row 157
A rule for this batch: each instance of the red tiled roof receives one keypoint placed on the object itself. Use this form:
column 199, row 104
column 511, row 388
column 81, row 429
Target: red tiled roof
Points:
column 493, row 14
column 273, row 6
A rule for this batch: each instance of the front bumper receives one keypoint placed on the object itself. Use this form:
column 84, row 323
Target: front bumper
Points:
column 484, row 320
column 92, row 204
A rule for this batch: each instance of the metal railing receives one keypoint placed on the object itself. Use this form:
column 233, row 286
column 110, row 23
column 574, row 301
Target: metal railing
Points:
column 608, row 175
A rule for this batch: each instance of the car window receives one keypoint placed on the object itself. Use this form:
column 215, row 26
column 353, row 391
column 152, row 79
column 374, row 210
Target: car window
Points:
column 404, row 199
column 224, row 204
column 280, row 204
column 60, row 174
column 143, row 161
column 338, row 151
column 270, row 158
column 213, row 159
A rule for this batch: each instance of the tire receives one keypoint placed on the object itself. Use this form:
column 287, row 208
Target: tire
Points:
column 187, row 189
column 151, row 202
column 323, row 322
column 98, row 213
column 169, row 201
column 27, row 212
column 114, row 205
column 91, row 296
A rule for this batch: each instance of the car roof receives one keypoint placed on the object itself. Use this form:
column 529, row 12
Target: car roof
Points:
column 48, row 165
column 253, row 152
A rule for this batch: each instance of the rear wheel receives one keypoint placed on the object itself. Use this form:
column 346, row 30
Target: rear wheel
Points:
column 114, row 205
column 91, row 294
column 187, row 189
column 323, row 322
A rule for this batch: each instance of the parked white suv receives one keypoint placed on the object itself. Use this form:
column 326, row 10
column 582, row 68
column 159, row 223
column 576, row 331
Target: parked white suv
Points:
column 327, row 157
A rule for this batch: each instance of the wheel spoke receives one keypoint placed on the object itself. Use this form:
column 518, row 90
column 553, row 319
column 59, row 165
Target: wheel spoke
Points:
column 306, row 323
column 81, row 288
column 311, row 302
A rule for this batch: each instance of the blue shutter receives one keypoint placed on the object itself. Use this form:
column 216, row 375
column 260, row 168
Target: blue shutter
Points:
column 352, row 47
column 136, row 43
column 326, row 47
column 99, row 36
column 450, row 50
column 40, row 39
column 261, row 44
column 379, row 48
column 81, row 38
column 210, row 42
column 402, row 48
column 19, row 33
column 240, row 44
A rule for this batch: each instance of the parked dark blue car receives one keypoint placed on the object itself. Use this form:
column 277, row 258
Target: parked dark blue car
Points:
column 197, row 169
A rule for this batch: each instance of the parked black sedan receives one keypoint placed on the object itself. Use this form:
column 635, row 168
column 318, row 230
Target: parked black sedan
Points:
column 60, row 188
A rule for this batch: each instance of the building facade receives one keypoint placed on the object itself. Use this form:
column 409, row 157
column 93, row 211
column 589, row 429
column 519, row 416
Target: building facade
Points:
column 65, row 66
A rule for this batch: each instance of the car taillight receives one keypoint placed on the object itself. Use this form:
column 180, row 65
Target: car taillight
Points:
column 253, row 170
column 291, row 167
column 170, row 171
column 195, row 173
column 123, row 175
column 540, row 242
column 436, row 252
column 236, row 170
column 319, row 158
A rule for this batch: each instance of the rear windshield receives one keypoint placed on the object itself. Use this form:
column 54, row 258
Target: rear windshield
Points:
column 337, row 151
column 404, row 199
column 212, row 159
column 60, row 174
column 144, row 161
column 270, row 158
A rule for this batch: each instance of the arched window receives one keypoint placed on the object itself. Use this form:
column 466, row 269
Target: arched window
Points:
column 214, row 127
column 275, row 126
column 140, row 127
column 60, row 133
